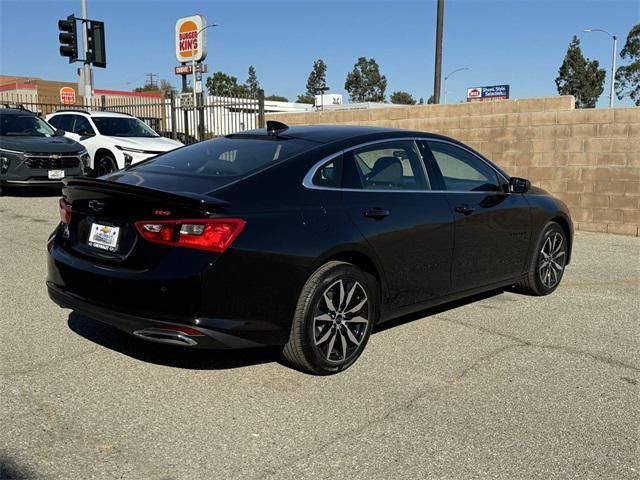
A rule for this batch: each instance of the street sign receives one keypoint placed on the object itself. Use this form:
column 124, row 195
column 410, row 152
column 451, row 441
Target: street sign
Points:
column 189, row 44
column 186, row 100
column 67, row 96
column 485, row 94
column 187, row 70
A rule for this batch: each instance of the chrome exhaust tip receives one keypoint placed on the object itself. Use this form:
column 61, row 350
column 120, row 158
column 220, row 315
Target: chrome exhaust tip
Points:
column 167, row 336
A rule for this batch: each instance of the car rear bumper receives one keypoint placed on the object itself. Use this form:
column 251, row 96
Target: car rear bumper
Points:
column 212, row 333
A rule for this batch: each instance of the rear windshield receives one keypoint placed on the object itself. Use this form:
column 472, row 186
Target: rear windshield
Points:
column 225, row 160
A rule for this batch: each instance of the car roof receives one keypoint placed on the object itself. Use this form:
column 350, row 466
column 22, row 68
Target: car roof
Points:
column 93, row 114
column 336, row 133
column 15, row 111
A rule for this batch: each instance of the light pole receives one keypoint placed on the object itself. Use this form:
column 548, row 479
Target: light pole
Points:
column 446, row 90
column 193, row 61
column 613, row 61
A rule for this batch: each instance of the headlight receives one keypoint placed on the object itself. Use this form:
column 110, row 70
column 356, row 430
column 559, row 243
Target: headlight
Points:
column 127, row 149
column 84, row 156
column 6, row 156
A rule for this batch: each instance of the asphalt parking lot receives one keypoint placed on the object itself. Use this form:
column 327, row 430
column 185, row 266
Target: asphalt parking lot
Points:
column 504, row 386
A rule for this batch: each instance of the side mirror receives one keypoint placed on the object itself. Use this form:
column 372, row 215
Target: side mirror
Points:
column 59, row 132
column 519, row 185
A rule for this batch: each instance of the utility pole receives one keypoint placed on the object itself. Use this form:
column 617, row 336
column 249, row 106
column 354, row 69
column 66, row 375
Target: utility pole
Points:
column 438, row 67
column 151, row 75
column 87, row 80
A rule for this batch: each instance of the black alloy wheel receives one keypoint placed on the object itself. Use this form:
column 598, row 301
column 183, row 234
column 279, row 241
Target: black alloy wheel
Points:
column 104, row 164
column 334, row 318
column 548, row 262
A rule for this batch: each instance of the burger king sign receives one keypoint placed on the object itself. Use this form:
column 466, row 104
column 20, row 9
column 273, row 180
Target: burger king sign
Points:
column 67, row 96
column 189, row 45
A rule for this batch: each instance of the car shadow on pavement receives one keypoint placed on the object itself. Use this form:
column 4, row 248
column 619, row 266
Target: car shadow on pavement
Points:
column 445, row 307
column 168, row 355
column 196, row 359
column 12, row 470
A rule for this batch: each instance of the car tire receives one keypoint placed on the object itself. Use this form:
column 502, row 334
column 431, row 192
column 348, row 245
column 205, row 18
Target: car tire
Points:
column 547, row 263
column 104, row 165
column 335, row 314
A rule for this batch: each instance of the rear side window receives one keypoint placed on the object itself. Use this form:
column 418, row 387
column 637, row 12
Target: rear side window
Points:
column 225, row 160
column 328, row 175
column 63, row 122
column 393, row 165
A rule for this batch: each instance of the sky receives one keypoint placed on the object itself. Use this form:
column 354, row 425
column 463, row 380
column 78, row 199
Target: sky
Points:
column 517, row 42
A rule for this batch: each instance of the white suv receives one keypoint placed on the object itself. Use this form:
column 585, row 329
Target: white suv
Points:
column 113, row 140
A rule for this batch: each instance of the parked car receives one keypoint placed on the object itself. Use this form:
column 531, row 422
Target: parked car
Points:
column 184, row 138
column 32, row 153
column 301, row 237
column 113, row 140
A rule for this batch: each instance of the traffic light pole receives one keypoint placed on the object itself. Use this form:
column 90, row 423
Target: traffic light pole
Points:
column 86, row 77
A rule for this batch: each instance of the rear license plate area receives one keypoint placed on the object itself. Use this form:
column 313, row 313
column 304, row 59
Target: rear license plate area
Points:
column 104, row 237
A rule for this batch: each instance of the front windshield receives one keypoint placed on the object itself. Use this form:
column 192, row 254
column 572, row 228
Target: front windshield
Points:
column 24, row 125
column 123, row 127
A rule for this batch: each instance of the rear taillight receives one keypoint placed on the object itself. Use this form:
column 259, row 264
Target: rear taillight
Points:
column 65, row 211
column 214, row 235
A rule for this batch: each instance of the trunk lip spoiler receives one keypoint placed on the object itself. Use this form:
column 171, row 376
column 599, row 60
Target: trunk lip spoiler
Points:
column 196, row 199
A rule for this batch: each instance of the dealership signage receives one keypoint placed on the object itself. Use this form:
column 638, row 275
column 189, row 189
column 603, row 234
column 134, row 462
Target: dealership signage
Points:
column 187, row 70
column 190, row 45
column 484, row 94
column 67, row 96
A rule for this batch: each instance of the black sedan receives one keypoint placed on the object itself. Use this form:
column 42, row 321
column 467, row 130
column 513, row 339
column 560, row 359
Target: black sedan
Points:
column 301, row 237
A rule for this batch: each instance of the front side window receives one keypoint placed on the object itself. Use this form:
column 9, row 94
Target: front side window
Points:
column 123, row 127
column 24, row 125
column 392, row 165
column 226, row 159
column 463, row 171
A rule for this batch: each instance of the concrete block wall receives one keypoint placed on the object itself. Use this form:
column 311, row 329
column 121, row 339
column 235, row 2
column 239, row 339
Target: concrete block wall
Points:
column 590, row 158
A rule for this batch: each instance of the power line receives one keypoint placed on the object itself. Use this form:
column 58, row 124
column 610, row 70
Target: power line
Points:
column 150, row 76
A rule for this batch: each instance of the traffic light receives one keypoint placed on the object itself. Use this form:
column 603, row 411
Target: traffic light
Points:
column 97, row 55
column 68, row 38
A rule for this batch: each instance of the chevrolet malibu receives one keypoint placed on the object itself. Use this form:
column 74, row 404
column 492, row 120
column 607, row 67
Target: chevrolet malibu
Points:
column 300, row 237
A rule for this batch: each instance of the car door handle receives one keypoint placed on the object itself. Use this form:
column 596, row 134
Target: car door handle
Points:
column 465, row 209
column 377, row 213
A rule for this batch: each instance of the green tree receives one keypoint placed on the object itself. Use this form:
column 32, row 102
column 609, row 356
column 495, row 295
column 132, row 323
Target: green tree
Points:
column 277, row 98
column 628, row 76
column 222, row 85
column 580, row 77
column 317, row 80
column 365, row 83
column 164, row 86
column 431, row 100
column 421, row 101
column 402, row 98
column 252, row 84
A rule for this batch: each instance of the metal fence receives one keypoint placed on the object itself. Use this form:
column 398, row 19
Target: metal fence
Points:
column 173, row 116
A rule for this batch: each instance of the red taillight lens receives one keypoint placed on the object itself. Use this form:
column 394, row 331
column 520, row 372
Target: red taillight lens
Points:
column 214, row 235
column 65, row 211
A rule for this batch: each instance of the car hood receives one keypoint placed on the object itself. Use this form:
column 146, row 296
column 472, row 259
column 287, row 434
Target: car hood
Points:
column 152, row 144
column 40, row 144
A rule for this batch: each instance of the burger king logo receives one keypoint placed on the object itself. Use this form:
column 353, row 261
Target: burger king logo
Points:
column 189, row 44
column 188, row 39
column 67, row 96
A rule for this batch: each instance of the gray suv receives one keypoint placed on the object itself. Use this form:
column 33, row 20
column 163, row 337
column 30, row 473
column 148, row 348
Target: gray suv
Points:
column 33, row 153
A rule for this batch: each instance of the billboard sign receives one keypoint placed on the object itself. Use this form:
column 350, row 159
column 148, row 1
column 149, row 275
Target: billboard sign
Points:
column 189, row 45
column 485, row 94
column 67, row 96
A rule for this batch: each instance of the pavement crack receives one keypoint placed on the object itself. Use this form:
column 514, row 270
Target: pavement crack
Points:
column 522, row 342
